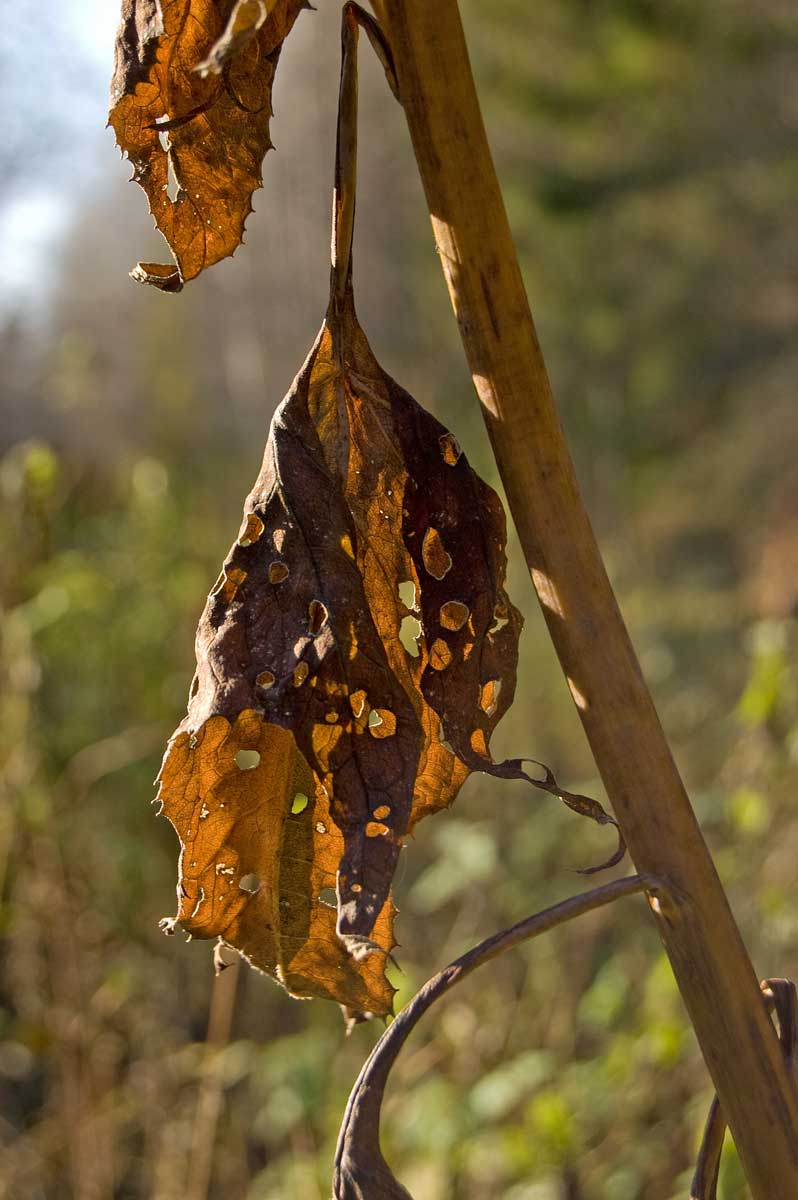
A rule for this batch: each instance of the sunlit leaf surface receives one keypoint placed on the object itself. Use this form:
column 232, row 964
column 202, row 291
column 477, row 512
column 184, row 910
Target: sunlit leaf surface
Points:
column 318, row 733
column 190, row 107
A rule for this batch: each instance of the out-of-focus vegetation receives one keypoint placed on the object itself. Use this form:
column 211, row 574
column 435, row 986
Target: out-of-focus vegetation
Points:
column 644, row 149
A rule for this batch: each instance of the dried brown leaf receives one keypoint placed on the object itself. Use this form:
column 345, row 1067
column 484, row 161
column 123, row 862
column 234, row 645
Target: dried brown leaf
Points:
column 300, row 658
column 191, row 100
column 317, row 733
column 302, row 634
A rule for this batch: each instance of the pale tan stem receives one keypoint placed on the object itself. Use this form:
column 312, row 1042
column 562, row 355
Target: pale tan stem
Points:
column 210, row 1095
column 481, row 268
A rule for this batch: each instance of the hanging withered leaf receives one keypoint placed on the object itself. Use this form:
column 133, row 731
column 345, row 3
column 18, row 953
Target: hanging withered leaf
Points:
column 191, row 106
column 353, row 660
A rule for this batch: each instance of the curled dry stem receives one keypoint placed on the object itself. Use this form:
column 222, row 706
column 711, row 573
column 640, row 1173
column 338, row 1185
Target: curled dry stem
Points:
column 361, row 1172
column 379, row 42
column 781, row 997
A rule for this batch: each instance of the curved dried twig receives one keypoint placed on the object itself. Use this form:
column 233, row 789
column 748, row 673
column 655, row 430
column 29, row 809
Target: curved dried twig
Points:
column 781, row 997
column 361, row 1172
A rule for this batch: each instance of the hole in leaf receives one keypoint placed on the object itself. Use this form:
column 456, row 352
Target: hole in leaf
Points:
column 489, row 696
column 247, row 760
column 301, row 672
column 407, row 593
column 439, row 655
column 249, row 883
column 454, row 615
column 327, row 896
column 357, row 702
column 450, row 448
column 317, row 616
column 228, row 583
column 172, row 185
column 331, row 717
column 383, row 810
column 409, row 632
column 356, row 887
column 376, row 829
column 385, row 723
column 346, row 545
column 500, row 619
column 278, row 537
column 299, row 803
column 251, row 531
column 265, row 680
column 437, row 562
column 321, row 827
column 278, row 571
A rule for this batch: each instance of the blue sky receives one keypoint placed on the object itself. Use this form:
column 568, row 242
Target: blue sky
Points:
column 36, row 206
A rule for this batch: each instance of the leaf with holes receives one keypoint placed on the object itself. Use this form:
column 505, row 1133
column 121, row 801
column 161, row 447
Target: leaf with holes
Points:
column 357, row 650
column 191, row 106
column 365, row 516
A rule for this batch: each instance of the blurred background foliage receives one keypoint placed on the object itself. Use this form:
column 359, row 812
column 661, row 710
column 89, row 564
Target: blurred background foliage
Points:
column 644, row 148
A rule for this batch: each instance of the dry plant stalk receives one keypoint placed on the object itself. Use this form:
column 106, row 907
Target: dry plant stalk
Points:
column 480, row 264
column 781, row 998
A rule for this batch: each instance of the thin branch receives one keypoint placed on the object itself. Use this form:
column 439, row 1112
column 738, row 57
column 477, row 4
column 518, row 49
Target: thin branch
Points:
column 360, row 1169
column 379, row 43
column 210, row 1096
column 353, row 18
